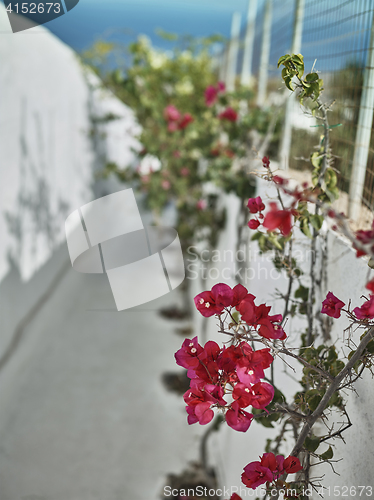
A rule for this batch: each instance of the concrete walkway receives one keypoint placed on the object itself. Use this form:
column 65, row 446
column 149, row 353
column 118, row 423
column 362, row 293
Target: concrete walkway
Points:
column 84, row 414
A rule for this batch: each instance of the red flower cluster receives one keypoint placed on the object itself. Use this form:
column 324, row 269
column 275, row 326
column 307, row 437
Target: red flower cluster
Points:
column 212, row 92
column 255, row 206
column 229, row 114
column 370, row 285
column 220, row 149
column 278, row 219
column 222, row 297
column 274, row 219
column 365, row 238
column 269, row 469
column 176, row 121
column 266, row 162
column 216, row 372
column 366, row 311
column 332, row 306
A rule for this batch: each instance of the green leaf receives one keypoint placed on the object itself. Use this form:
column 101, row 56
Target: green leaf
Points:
column 332, row 178
column 313, row 398
column 287, row 81
column 370, row 347
column 317, row 221
column 311, row 443
column 351, row 354
column 316, row 159
column 311, row 77
column 283, row 59
column 336, row 367
column 302, row 293
column 304, row 226
column 328, row 454
column 284, row 73
column 235, row 316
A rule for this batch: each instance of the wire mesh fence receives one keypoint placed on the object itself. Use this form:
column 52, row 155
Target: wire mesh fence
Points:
column 337, row 40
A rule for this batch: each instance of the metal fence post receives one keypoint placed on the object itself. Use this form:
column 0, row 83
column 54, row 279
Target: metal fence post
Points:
column 233, row 51
column 363, row 134
column 223, row 65
column 246, row 75
column 265, row 54
column 285, row 147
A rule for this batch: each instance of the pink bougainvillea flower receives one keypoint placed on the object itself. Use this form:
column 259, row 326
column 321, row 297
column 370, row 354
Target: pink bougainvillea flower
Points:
column 211, row 368
column 185, row 172
column 201, row 205
column 291, row 465
column 165, row 184
column 208, row 371
column 270, row 329
column 255, row 205
column 273, row 463
column 213, row 302
column 278, row 465
column 221, row 87
column 278, row 219
column 332, row 306
column 210, row 95
column 266, row 162
column 263, row 394
column 229, row 114
column 237, row 418
column 247, row 376
column 242, row 394
column 185, row 120
column 280, row 180
column 204, row 413
column 366, row 311
column 205, row 304
column 370, row 285
column 187, row 356
column 191, row 418
column 253, row 224
column 240, row 292
column 172, row 126
column 200, row 397
column 212, row 92
column 270, row 468
column 222, row 294
column 171, row 113
column 255, row 474
column 365, row 238
column 247, row 309
column 268, row 460
column 258, row 316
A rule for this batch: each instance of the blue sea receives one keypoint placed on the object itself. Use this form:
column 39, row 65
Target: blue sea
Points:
column 335, row 32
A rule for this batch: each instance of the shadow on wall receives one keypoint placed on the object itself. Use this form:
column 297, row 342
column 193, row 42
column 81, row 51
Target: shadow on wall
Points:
column 38, row 216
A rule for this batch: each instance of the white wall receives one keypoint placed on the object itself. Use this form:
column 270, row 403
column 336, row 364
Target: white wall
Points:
column 48, row 159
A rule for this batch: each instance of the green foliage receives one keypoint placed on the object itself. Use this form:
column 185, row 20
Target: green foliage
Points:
column 311, row 86
column 327, row 455
column 311, row 443
column 209, row 149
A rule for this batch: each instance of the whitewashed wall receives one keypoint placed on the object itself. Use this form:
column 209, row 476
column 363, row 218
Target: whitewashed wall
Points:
column 48, row 159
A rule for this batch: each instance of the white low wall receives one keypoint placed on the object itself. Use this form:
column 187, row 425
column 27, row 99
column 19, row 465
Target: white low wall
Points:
column 49, row 156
